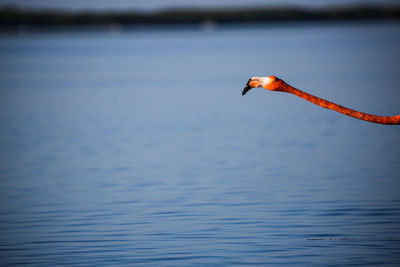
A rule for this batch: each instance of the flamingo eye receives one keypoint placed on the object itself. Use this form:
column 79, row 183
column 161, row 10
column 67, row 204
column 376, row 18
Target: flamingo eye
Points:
column 271, row 79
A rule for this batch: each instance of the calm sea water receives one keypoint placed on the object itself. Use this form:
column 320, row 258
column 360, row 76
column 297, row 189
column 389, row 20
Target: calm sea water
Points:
column 137, row 147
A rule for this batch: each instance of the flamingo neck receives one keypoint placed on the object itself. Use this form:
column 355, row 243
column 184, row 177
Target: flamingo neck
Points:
column 346, row 111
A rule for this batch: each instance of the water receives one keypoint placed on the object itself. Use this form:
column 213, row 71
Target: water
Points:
column 137, row 148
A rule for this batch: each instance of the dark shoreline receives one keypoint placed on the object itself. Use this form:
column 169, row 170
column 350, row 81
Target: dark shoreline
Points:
column 11, row 17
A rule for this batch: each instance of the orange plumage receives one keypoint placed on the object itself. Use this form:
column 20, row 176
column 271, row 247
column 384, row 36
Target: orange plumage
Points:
column 273, row 83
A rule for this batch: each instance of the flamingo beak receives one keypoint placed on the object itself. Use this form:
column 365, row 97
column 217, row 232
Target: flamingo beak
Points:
column 247, row 87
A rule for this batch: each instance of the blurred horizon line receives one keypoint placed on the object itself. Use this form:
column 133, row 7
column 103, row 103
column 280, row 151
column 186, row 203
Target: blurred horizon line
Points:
column 12, row 16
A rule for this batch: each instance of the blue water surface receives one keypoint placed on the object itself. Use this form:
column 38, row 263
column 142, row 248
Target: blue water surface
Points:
column 137, row 148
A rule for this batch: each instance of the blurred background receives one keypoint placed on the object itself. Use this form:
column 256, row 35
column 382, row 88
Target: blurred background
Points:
column 173, row 4
column 125, row 140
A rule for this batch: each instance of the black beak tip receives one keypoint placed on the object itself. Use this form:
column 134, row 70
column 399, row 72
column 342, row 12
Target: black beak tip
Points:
column 246, row 88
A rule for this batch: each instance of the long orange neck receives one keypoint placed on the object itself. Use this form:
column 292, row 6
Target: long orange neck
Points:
column 284, row 87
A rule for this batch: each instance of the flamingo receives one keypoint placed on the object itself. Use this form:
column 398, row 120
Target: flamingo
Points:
column 273, row 83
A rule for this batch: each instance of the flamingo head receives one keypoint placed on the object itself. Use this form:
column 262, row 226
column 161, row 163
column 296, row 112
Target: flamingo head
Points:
column 265, row 82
